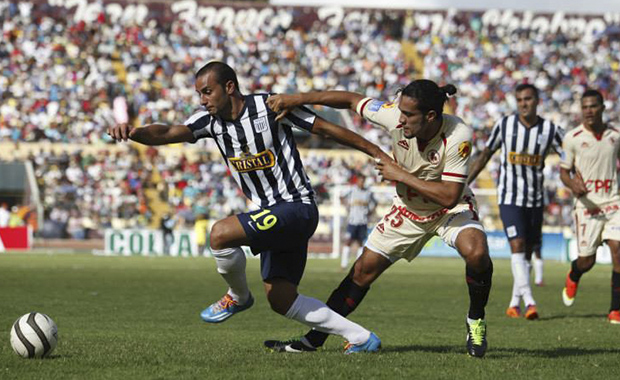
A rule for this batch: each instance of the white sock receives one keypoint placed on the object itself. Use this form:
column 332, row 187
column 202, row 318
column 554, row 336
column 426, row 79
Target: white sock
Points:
column 360, row 250
column 515, row 264
column 231, row 265
column 522, row 279
column 538, row 269
column 344, row 258
column 528, row 267
column 314, row 313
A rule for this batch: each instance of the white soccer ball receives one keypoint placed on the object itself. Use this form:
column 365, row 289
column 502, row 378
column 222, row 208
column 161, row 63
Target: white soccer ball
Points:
column 34, row 335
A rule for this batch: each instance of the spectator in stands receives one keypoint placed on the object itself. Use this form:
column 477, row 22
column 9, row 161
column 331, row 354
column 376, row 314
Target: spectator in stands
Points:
column 5, row 215
column 61, row 82
column 15, row 219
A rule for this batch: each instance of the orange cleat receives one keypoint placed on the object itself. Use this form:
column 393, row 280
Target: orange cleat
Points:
column 531, row 313
column 570, row 291
column 513, row 312
column 614, row 317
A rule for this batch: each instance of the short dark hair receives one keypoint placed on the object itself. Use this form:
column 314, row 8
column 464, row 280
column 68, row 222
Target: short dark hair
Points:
column 428, row 94
column 591, row 93
column 223, row 73
column 525, row 86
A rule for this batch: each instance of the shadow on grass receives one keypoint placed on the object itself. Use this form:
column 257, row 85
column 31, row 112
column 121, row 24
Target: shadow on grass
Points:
column 504, row 352
column 578, row 316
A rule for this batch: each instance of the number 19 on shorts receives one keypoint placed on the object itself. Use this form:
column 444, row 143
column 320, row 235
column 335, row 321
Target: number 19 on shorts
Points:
column 264, row 220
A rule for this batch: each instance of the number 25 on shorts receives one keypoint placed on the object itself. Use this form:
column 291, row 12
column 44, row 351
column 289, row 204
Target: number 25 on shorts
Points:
column 264, row 220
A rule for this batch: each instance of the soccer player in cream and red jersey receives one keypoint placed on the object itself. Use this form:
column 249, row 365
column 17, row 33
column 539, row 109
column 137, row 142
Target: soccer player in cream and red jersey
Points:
column 589, row 169
column 432, row 151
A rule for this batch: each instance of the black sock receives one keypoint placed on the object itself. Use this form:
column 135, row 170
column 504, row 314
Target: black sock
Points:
column 575, row 273
column 615, row 291
column 343, row 301
column 479, row 285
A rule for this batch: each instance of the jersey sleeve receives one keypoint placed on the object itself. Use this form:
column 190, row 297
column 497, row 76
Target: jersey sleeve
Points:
column 457, row 156
column 495, row 140
column 384, row 114
column 567, row 159
column 302, row 117
column 199, row 124
column 558, row 139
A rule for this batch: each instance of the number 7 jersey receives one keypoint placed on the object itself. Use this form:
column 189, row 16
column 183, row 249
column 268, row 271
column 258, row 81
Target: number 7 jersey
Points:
column 444, row 158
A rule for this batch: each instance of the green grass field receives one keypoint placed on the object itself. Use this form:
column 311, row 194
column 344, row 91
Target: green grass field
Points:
column 128, row 318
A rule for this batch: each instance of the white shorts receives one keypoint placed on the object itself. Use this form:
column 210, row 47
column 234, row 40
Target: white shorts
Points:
column 593, row 228
column 399, row 236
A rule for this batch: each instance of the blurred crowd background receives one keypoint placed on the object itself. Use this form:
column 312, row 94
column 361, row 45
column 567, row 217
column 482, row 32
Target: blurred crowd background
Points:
column 65, row 82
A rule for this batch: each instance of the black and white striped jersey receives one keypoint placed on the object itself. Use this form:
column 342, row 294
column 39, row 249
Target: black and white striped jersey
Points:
column 520, row 181
column 260, row 152
column 360, row 202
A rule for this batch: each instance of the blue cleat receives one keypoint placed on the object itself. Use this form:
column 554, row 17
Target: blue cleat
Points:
column 224, row 309
column 373, row 344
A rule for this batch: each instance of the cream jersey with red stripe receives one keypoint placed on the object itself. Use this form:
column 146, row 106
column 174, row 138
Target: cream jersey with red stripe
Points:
column 444, row 158
column 595, row 157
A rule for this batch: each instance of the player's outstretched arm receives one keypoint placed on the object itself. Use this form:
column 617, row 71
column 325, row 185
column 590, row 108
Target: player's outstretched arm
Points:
column 479, row 164
column 335, row 99
column 349, row 138
column 153, row 134
column 444, row 193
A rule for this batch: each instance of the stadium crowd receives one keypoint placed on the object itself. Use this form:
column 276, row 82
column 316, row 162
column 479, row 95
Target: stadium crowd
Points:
column 65, row 81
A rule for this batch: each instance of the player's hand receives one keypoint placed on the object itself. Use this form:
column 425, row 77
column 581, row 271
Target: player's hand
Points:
column 579, row 186
column 282, row 104
column 388, row 169
column 120, row 132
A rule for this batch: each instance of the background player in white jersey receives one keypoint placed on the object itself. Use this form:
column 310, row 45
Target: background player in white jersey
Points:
column 263, row 158
column 525, row 140
column 360, row 204
column 589, row 169
column 432, row 151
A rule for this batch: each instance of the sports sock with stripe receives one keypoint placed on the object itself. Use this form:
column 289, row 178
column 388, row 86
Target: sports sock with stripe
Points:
column 479, row 284
column 231, row 265
column 344, row 300
column 317, row 315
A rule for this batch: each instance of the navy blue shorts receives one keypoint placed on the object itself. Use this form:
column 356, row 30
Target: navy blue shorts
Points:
column 357, row 232
column 523, row 222
column 280, row 234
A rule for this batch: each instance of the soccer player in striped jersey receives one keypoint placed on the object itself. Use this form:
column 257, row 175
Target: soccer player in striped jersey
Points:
column 432, row 152
column 263, row 159
column 360, row 203
column 525, row 139
column 589, row 169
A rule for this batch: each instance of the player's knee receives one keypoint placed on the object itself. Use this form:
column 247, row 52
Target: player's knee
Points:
column 361, row 274
column 276, row 304
column 218, row 236
column 280, row 303
column 585, row 263
column 518, row 245
column 476, row 254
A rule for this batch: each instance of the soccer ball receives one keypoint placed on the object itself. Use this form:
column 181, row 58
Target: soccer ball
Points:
column 34, row 335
